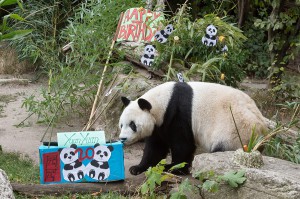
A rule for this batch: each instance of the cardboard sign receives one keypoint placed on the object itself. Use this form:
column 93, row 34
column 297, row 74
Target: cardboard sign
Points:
column 72, row 164
column 138, row 24
column 84, row 138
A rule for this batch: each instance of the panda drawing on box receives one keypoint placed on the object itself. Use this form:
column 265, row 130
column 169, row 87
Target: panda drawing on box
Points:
column 98, row 168
column 210, row 38
column 148, row 57
column 178, row 117
column 73, row 169
column 162, row 35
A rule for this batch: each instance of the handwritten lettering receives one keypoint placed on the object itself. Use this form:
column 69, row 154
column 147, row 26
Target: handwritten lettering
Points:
column 85, row 138
column 137, row 26
column 51, row 167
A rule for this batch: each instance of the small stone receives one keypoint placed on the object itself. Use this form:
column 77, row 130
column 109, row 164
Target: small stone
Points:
column 251, row 160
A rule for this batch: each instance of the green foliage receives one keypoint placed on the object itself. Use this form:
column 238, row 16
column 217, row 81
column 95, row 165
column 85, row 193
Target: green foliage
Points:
column 7, row 33
column 287, row 149
column 254, row 139
column 183, row 188
column 19, row 169
column 278, row 148
column 197, row 60
column 155, row 176
column 73, row 76
column 233, row 178
column 210, row 182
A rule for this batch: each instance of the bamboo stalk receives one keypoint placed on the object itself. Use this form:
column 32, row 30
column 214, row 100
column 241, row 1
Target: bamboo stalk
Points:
column 88, row 126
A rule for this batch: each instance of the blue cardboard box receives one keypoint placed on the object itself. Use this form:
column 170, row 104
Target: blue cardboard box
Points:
column 98, row 163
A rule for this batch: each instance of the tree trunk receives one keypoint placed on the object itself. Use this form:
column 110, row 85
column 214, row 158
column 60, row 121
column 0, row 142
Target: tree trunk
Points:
column 243, row 9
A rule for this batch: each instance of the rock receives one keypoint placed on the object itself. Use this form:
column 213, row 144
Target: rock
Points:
column 6, row 190
column 9, row 63
column 250, row 160
column 275, row 179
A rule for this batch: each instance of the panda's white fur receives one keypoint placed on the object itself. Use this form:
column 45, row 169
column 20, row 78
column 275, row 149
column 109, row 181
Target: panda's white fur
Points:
column 212, row 124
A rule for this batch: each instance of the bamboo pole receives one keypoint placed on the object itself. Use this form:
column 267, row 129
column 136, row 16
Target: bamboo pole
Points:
column 89, row 124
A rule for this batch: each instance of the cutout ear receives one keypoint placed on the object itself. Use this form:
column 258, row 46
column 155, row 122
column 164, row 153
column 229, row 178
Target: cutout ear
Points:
column 111, row 148
column 74, row 146
column 125, row 101
column 97, row 144
column 144, row 104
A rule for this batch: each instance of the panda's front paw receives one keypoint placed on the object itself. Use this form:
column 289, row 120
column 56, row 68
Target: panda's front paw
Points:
column 136, row 170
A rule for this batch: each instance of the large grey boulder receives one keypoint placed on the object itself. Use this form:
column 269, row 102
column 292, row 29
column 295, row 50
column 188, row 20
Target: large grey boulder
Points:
column 6, row 190
column 275, row 179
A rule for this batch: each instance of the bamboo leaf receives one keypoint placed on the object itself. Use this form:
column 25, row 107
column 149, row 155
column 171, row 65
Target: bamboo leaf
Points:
column 15, row 35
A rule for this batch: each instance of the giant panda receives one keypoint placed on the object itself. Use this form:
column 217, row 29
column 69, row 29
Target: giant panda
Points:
column 178, row 117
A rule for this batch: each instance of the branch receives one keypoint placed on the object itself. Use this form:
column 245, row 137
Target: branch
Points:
column 158, row 73
column 126, row 187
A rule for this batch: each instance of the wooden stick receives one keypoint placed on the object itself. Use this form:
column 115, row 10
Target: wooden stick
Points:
column 88, row 126
column 158, row 73
column 100, row 86
column 126, row 187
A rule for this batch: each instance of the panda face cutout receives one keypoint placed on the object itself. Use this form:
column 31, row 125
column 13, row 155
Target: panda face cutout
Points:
column 210, row 38
column 136, row 122
column 162, row 35
column 102, row 153
column 69, row 155
column 149, row 50
column 169, row 29
column 211, row 30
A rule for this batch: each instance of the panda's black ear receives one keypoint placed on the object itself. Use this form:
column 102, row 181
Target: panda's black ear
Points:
column 125, row 101
column 144, row 104
column 74, row 146
column 60, row 149
column 97, row 144
column 111, row 148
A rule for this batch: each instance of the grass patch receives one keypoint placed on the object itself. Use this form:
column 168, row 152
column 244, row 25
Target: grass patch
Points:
column 18, row 168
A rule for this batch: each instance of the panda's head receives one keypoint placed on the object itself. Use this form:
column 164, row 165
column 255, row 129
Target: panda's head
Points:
column 102, row 153
column 211, row 30
column 149, row 49
column 136, row 121
column 169, row 29
column 68, row 155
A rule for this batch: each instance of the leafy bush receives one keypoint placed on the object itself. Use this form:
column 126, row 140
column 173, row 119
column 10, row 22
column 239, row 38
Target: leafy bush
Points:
column 201, row 62
column 73, row 77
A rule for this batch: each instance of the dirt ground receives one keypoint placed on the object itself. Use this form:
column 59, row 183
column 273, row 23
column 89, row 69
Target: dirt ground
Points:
column 27, row 138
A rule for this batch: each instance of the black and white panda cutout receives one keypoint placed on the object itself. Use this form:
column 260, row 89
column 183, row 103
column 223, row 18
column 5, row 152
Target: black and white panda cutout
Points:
column 178, row 117
column 148, row 57
column 180, row 77
column 224, row 49
column 162, row 35
column 73, row 169
column 210, row 38
column 98, row 169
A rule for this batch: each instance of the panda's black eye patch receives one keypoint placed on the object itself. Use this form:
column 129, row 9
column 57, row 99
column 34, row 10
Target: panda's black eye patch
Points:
column 72, row 153
column 105, row 153
column 121, row 126
column 98, row 152
column 132, row 126
column 65, row 155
